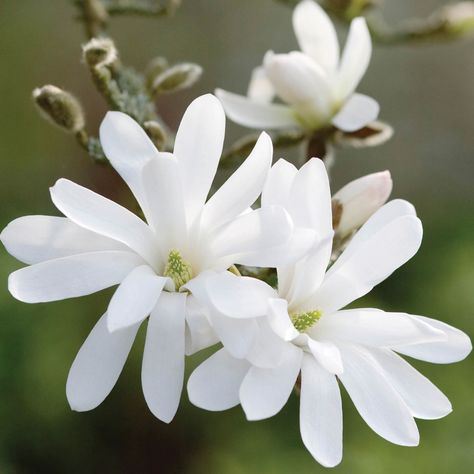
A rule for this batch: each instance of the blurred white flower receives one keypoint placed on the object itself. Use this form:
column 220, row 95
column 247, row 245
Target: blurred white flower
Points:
column 100, row 244
column 316, row 86
column 303, row 330
column 359, row 199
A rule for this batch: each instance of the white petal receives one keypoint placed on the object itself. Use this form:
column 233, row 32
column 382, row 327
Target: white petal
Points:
column 356, row 113
column 101, row 215
column 279, row 319
column 264, row 392
column 242, row 188
column 214, row 385
column 360, row 199
column 327, row 355
column 355, row 58
column 98, row 364
column 165, row 193
column 316, row 34
column 128, row 148
column 302, row 83
column 376, row 400
column 35, row 239
column 423, row 398
column 163, row 356
column 239, row 297
column 454, row 348
column 73, row 276
column 198, row 148
column 135, row 297
column 277, row 188
column 373, row 328
column 249, row 113
column 258, row 238
column 320, row 413
column 260, row 88
column 370, row 262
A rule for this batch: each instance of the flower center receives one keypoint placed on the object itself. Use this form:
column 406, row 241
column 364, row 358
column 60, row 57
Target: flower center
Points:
column 303, row 321
column 178, row 269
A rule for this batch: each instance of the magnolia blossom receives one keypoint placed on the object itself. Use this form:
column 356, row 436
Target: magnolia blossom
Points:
column 101, row 244
column 358, row 200
column 302, row 329
column 315, row 85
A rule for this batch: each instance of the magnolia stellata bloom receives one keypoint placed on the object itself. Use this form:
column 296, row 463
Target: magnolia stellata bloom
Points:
column 301, row 329
column 358, row 200
column 100, row 244
column 315, row 85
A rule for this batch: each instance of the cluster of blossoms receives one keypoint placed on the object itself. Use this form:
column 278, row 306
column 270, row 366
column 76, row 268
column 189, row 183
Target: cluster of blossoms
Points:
column 178, row 268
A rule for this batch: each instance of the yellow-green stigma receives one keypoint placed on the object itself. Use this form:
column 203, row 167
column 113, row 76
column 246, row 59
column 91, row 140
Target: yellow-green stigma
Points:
column 303, row 321
column 178, row 269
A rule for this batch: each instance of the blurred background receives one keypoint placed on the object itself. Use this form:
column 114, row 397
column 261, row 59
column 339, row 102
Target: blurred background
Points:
column 426, row 93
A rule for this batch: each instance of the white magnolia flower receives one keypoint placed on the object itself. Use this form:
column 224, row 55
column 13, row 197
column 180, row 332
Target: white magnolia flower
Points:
column 302, row 330
column 100, row 244
column 359, row 199
column 315, row 85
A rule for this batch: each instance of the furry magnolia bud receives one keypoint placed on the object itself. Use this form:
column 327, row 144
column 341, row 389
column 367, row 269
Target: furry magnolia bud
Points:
column 459, row 18
column 359, row 199
column 100, row 52
column 180, row 76
column 156, row 133
column 59, row 107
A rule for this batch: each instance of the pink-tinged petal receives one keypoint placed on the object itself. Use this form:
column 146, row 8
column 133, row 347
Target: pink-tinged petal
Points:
column 250, row 113
column 135, row 298
column 198, row 148
column 98, row 364
column 214, row 385
column 379, row 404
column 35, row 239
column 356, row 113
column 316, row 34
column 320, row 413
column 264, row 392
column 163, row 356
column 73, row 276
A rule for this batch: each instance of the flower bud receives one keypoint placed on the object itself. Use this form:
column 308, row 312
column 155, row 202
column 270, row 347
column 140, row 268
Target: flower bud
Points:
column 100, row 52
column 154, row 68
column 359, row 199
column 59, row 107
column 156, row 133
column 459, row 18
column 180, row 76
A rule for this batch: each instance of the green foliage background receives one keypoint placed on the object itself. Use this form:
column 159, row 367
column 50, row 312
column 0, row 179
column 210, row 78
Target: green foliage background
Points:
column 425, row 92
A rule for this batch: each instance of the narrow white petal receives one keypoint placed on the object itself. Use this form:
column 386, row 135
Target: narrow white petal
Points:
column 374, row 328
column 279, row 319
column 455, row 347
column 379, row 404
column 355, row 58
column 424, row 399
column 198, row 148
column 249, row 113
column 260, row 88
column 327, row 355
column 356, row 113
column 320, row 413
column 35, row 239
column 264, row 392
column 163, row 356
column 135, row 298
column 242, row 188
column 73, row 276
column 98, row 364
column 165, row 193
column 316, row 34
column 128, row 148
column 258, row 238
column 370, row 262
column 99, row 214
column 214, row 385
column 277, row 188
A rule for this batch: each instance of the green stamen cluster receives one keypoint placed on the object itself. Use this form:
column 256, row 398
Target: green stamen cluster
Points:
column 178, row 269
column 303, row 321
